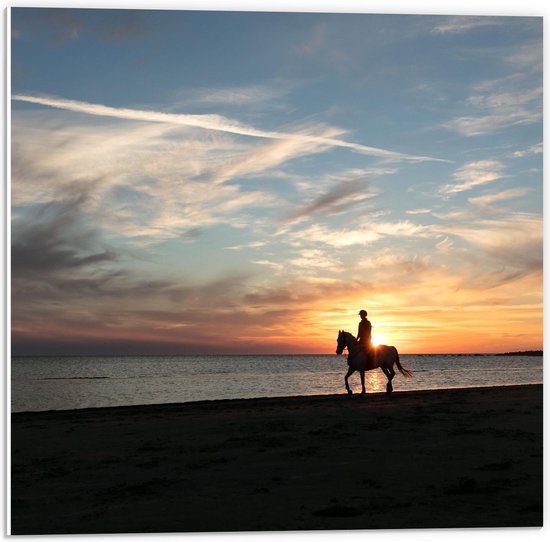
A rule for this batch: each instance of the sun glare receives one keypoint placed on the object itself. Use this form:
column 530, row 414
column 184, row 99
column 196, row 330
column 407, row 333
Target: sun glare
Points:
column 379, row 338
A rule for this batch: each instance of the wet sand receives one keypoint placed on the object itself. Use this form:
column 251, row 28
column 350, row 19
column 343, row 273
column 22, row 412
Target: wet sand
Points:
column 448, row 458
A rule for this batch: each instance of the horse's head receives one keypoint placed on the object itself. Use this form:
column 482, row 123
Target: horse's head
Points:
column 341, row 342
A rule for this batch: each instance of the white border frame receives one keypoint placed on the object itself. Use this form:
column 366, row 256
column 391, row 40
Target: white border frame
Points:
column 421, row 7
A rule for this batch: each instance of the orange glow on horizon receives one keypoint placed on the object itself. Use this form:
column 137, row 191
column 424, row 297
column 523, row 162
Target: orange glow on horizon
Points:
column 457, row 321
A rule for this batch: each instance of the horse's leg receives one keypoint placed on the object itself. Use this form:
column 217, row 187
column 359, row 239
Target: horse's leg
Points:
column 390, row 373
column 363, row 391
column 351, row 370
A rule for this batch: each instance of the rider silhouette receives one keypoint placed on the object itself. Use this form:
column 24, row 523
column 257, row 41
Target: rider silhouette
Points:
column 364, row 335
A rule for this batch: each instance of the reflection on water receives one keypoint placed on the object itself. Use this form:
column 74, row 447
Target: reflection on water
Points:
column 80, row 382
column 375, row 381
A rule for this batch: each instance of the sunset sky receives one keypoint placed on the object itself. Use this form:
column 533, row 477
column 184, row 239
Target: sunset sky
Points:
column 206, row 182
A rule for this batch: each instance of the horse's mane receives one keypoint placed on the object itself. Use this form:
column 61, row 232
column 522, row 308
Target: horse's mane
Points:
column 350, row 334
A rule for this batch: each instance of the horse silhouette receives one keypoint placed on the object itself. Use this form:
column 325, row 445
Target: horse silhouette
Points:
column 382, row 356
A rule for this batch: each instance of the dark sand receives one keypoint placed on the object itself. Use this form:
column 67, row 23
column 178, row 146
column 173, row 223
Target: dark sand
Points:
column 452, row 458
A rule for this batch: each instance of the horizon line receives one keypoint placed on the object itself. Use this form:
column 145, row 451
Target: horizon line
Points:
column 536, row 350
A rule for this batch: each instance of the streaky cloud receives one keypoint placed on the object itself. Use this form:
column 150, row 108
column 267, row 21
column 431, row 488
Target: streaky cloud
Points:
column 498, row 110
column 488, row 199
column 55, row 238
column 340, row 198
column 515, row 241
column 462, row 24
column 418, row 211
column 470, row 126
column 210, row 122
column 533, row 149
column 474, row 174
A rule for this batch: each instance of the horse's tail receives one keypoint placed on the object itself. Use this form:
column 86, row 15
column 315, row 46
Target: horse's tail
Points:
column 405, row 372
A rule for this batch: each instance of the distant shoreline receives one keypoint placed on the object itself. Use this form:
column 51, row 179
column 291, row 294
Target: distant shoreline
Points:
column 524, row 353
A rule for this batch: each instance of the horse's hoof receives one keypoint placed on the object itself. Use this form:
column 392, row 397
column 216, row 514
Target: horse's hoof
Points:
column 350, row 392
column 389, row 389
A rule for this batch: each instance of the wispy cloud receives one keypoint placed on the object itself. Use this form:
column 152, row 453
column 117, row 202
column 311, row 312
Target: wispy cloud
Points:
column 252, row 244
column 486, row 124
column 514, row 241
column 460, row 25
column 210, row 122
column 263, row 158
column 142, row 189
column 488, row 199
column 181, row 208
column 498, row 110
column 365, row 234
column 315, row 259
column 418, row 211
column 445, row 245
column 505, row 100
column 533, row 149
column 528, row 56
column 56, row 238
column 338, row 199
column 473, row 174
column 259, row 94
column 387, row 262
column 56, row 154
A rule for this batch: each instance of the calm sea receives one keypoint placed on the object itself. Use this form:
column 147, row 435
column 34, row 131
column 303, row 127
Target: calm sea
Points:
column 59, row 383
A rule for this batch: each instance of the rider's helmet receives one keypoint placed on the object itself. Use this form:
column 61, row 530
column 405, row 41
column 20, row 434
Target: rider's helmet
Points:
column 362, row 313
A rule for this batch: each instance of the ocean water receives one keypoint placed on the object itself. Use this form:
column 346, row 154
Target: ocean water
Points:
column 60, row 383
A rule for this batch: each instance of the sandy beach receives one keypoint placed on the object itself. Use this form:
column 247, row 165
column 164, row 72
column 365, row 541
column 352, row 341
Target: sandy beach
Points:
column 446, row 458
